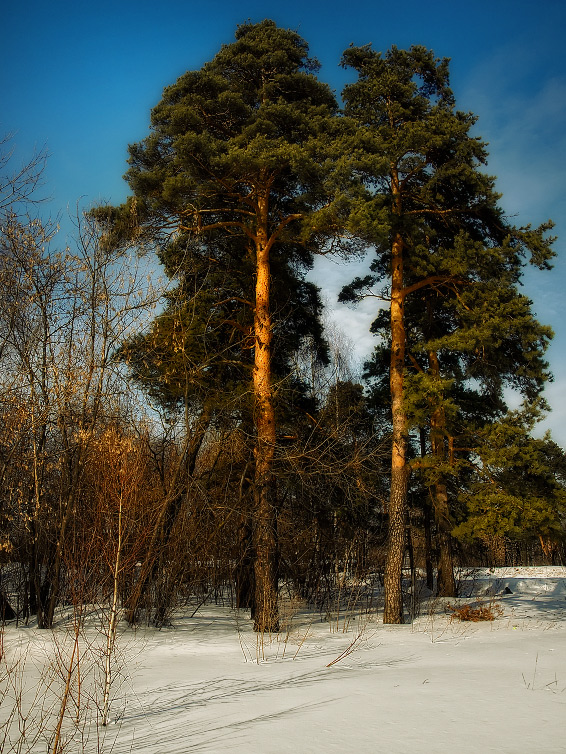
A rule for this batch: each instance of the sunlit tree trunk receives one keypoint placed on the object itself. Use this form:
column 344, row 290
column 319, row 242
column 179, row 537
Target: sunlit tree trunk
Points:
column 393, row 608
column 265, row 524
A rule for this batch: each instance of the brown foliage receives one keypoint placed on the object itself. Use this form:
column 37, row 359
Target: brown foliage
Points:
column 476, row 613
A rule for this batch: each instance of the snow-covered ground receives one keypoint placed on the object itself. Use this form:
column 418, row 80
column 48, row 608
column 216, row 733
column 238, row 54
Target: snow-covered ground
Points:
column 208, row 684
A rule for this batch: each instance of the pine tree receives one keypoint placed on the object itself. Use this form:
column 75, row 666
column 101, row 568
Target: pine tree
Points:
column 516, row 489
column 433, row 217
column 242, row 153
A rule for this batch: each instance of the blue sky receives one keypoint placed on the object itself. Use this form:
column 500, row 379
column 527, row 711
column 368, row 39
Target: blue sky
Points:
column 81, row 80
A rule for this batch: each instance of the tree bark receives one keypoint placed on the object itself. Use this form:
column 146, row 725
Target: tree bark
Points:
column 244, row 577
column 266, row 618
column 445, row 581
column 6, row 610
column 427, row 525
column 393, row 607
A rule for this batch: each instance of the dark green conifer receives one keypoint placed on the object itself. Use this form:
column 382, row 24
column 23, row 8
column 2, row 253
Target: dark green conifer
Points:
column 243, row 156
column 441, row 241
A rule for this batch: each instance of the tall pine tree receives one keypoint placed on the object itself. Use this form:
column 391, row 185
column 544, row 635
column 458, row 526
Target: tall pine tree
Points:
column 430, row 213
column 243, row 152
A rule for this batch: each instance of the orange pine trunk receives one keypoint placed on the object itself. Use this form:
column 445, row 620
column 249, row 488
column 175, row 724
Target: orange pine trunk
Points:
column 393, row 607
column 266, row 618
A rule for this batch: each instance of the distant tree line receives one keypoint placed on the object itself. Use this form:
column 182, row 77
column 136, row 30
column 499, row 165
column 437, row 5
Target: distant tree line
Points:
column 209, row 441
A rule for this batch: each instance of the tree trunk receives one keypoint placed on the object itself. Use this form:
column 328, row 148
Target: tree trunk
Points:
column 428, row 547
column 445, row 581
column 56, row 569
column 427, row 525
column 6, row 610
column 244, row 578
column 265, row 525
column 393, row 607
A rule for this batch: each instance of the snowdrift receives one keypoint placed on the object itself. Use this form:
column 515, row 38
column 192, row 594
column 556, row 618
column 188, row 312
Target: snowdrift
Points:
column 540, row 581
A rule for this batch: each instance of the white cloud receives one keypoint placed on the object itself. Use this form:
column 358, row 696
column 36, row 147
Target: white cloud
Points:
column 354, row 320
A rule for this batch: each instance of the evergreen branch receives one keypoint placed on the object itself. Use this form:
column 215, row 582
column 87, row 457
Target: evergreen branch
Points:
column 220, row 224
column 411, row 173
column 415, row 363
column 432, row 281
column 435, row 211
column 282, row 225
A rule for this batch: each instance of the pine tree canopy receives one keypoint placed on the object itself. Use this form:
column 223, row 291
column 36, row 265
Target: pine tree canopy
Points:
column 449, row 263
column 422, row 169
column 252, row 132
column 462, row 258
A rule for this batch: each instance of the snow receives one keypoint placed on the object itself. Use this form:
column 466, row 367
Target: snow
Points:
column 209, row 684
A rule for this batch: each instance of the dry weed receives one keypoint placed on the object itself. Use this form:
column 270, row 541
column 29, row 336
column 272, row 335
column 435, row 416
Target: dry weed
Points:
column 475, row 613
